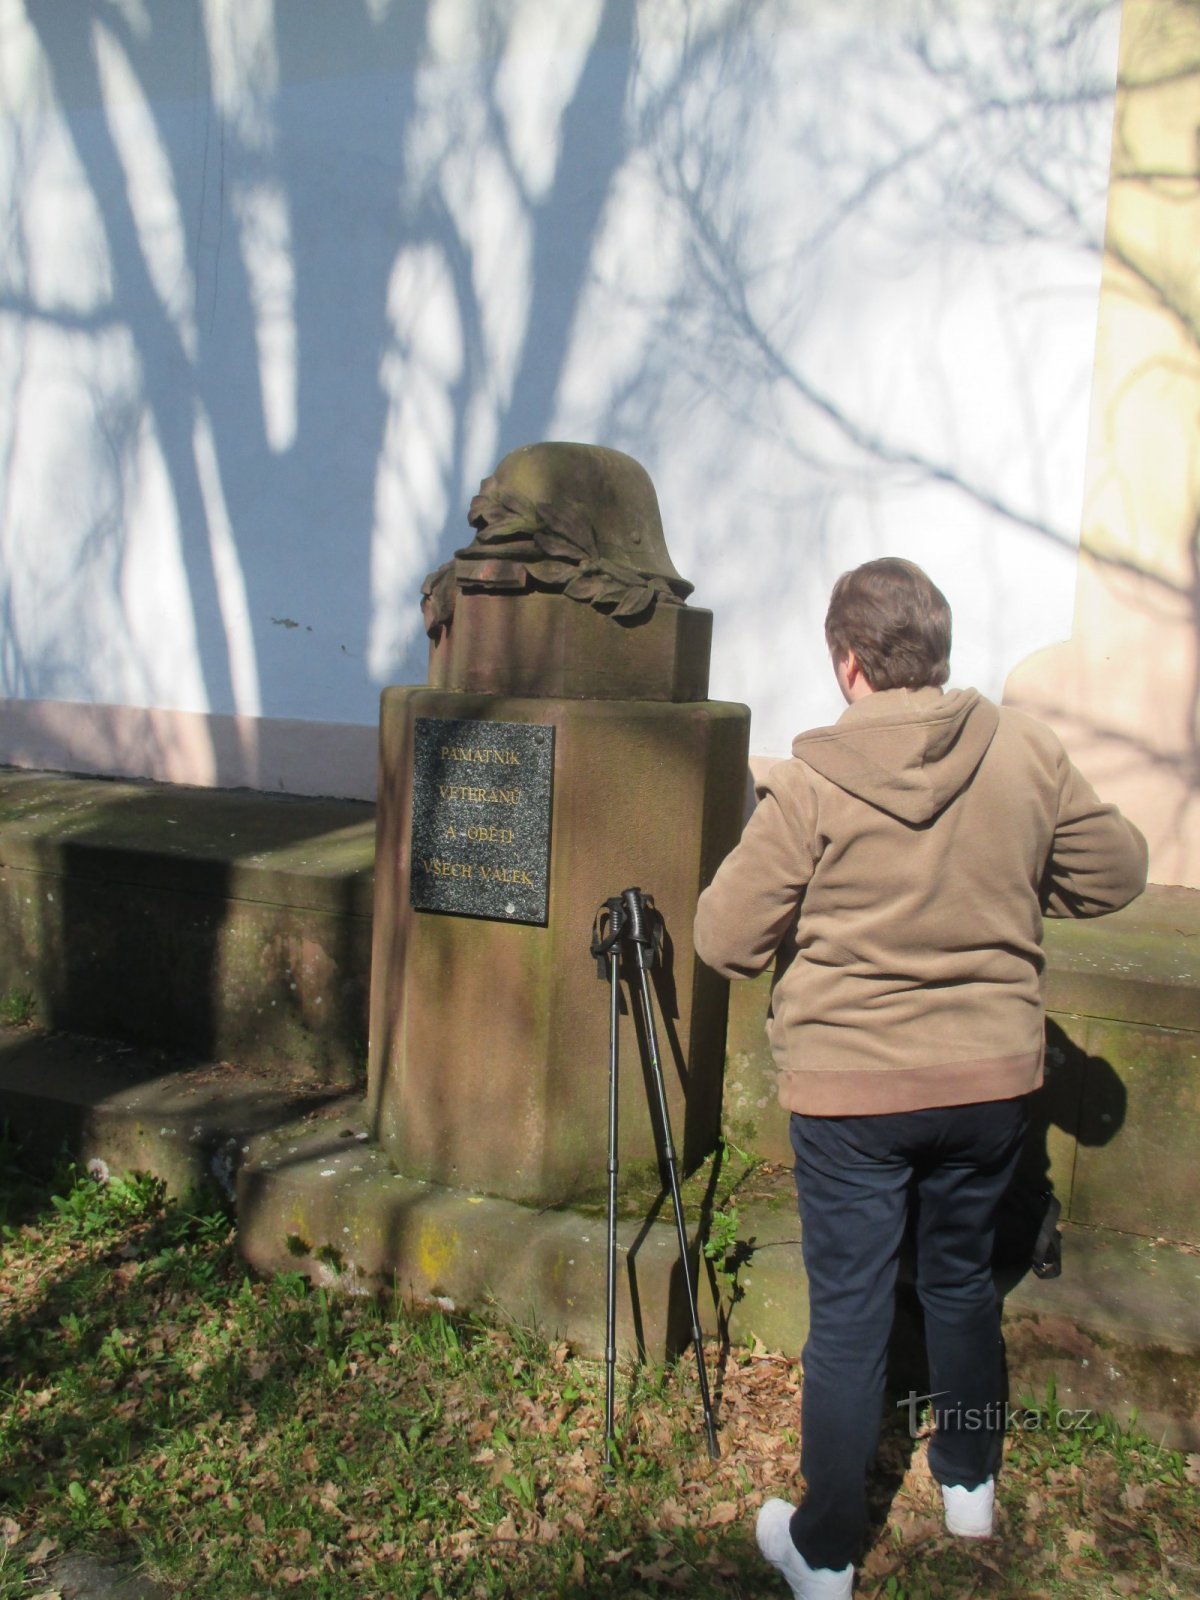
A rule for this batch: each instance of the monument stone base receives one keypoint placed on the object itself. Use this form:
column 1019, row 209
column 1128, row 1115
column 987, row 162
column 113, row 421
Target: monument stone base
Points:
column 488, row 1066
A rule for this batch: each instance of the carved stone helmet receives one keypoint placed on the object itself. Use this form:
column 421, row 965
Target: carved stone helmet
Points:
column 576, row 519
column 608, row 489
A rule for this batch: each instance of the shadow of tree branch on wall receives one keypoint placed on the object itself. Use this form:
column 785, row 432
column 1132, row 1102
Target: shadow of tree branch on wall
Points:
column 498, row 213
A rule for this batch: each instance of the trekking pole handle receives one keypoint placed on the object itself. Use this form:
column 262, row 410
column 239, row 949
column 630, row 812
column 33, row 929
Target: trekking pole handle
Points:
column 640, row 930
column 604, row 943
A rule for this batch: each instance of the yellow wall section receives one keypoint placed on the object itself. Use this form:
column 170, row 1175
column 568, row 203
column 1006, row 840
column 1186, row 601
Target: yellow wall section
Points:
column 1124, row 691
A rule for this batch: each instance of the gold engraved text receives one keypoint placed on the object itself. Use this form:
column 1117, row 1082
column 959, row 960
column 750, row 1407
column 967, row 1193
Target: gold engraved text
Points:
column 458, row 752
column 440, row 868
column 483, row 797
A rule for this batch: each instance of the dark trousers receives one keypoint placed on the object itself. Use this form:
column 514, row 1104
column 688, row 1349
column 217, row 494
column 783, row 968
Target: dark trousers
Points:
column 855, row 1178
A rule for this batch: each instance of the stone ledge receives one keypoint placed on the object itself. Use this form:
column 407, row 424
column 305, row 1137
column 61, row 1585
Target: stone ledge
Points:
column 1140, row 965
column 274, row 849
column 1123, row 1064
column 139, row 1111
column 325, row 1200
column 225, row 925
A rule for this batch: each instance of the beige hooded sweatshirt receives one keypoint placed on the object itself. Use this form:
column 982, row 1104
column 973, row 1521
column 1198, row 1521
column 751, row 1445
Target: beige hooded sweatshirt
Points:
column 897, row 869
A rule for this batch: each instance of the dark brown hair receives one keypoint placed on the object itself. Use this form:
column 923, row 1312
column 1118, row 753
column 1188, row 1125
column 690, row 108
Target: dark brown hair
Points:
column 895, row 620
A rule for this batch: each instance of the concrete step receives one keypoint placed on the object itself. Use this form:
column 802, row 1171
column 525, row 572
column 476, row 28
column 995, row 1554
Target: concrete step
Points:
column 135, row 1110
column 1118, row 1332
column 231, row 926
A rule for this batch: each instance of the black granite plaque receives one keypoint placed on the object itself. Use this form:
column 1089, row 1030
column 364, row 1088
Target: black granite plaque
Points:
column 481, row 818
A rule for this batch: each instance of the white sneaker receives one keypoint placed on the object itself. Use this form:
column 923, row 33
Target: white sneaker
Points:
column 969, row 1512
column 806, row 1583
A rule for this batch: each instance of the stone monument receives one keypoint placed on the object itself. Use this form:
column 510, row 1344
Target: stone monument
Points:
column 562, row 751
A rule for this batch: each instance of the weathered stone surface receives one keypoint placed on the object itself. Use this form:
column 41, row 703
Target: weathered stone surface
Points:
column 286, row 986
column 1049, row 1157
column 29, row 925
column 751, row 1114
column 546, row 644
column 327, row 1201
column 227, row 925
column 277, row 848
column 1112, row 1162
column 557, row 517
column 1136, row 1166
column 85, row 1577
column 1118, row 1332
column 207, row 969
column 138, row 1111
column 763, row 1287
column 489, row 1041
column 1141, row 964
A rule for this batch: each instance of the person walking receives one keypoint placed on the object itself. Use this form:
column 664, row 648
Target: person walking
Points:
column 897, row 870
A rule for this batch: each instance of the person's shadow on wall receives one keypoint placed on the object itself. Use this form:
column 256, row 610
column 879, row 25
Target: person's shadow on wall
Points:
column 1082, row 1101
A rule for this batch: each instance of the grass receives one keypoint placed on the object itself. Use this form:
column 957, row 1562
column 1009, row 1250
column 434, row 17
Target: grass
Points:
column 235, row 1437
column 17, row 1008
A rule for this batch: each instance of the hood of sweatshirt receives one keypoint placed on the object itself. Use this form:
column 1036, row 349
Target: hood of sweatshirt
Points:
column 906, row 751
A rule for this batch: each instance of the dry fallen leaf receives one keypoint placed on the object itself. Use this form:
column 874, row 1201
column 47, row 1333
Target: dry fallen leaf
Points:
column 664, row 1573
column 723, row 1511
column 911, row 1528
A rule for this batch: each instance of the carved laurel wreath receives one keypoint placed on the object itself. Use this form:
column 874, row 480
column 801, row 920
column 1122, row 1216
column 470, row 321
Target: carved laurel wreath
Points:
column 566, row 560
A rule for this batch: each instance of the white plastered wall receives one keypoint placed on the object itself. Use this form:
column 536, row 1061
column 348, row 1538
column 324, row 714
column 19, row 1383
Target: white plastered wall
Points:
column 279, row 283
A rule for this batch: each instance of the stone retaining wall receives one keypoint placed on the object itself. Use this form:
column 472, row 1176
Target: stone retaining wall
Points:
column 227, row 926
column 1117, row 1123
column 236, row 926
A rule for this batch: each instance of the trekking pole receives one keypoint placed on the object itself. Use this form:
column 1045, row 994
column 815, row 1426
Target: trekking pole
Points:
column 606, row 950
column 645, row 940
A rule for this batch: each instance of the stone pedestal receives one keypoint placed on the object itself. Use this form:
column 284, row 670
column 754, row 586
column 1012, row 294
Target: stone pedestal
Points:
column 544, row 644
column 489, row 1038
